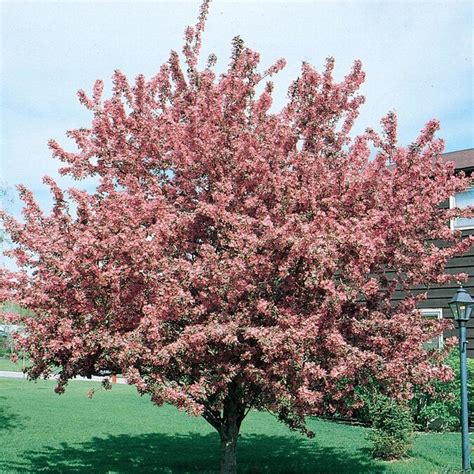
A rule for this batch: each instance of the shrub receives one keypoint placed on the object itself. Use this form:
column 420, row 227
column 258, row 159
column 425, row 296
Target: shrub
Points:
column 392, row 434
column 5, row 345
column 435, row 407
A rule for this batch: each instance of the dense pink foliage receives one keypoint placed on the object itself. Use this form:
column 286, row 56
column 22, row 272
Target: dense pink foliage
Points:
column 234, row 257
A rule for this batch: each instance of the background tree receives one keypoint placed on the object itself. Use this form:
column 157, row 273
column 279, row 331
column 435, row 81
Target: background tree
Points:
column 233, row 258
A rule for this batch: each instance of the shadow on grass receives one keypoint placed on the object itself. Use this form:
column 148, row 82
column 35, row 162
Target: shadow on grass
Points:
column 163, row 453
column 8, row 421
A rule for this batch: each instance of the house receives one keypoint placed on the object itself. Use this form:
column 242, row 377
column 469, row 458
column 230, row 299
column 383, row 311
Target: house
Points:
column 436, row 304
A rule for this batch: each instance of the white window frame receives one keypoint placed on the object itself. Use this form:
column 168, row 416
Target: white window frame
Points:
column 452, row 204
column 438, row 314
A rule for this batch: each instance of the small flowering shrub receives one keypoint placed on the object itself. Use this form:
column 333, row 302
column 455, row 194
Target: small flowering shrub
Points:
column 392, row 429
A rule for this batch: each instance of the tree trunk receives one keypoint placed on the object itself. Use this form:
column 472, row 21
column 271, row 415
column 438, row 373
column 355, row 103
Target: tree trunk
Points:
column 227, row 423
column 229, row 436
column 232, row 417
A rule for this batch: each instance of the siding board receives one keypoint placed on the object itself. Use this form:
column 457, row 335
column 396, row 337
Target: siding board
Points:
column 439, row 297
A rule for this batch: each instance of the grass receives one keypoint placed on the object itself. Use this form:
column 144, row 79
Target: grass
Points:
column 7, row 364
column 119, row 431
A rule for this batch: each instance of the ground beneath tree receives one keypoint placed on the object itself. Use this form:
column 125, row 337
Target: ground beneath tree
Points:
column 120, row 431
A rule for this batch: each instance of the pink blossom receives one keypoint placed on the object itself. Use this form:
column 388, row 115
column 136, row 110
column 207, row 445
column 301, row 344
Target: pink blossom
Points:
column 233, row 257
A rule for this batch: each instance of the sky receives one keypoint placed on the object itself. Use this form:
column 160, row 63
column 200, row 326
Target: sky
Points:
column 418, row 59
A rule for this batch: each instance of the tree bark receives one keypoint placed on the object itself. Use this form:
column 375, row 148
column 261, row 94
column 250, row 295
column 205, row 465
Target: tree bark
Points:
column 232, row 417
column 229, row 435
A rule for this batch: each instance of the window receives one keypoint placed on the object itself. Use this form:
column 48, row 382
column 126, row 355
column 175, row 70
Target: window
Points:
column 436, row 342
column 462, row 200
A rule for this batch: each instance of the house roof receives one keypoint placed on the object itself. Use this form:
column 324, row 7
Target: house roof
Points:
column 463, row 159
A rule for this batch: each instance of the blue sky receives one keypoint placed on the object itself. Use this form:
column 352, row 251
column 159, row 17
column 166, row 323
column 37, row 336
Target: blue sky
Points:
column 417, row 57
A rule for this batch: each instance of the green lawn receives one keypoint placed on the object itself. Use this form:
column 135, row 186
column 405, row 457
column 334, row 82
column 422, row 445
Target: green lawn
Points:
column 7, row 364
column 119, row 431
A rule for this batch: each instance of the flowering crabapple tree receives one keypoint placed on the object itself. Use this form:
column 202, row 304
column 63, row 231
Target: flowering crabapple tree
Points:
column 231, row 257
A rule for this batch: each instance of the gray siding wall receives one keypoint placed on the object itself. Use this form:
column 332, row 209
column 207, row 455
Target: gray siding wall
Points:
column 439, row 296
